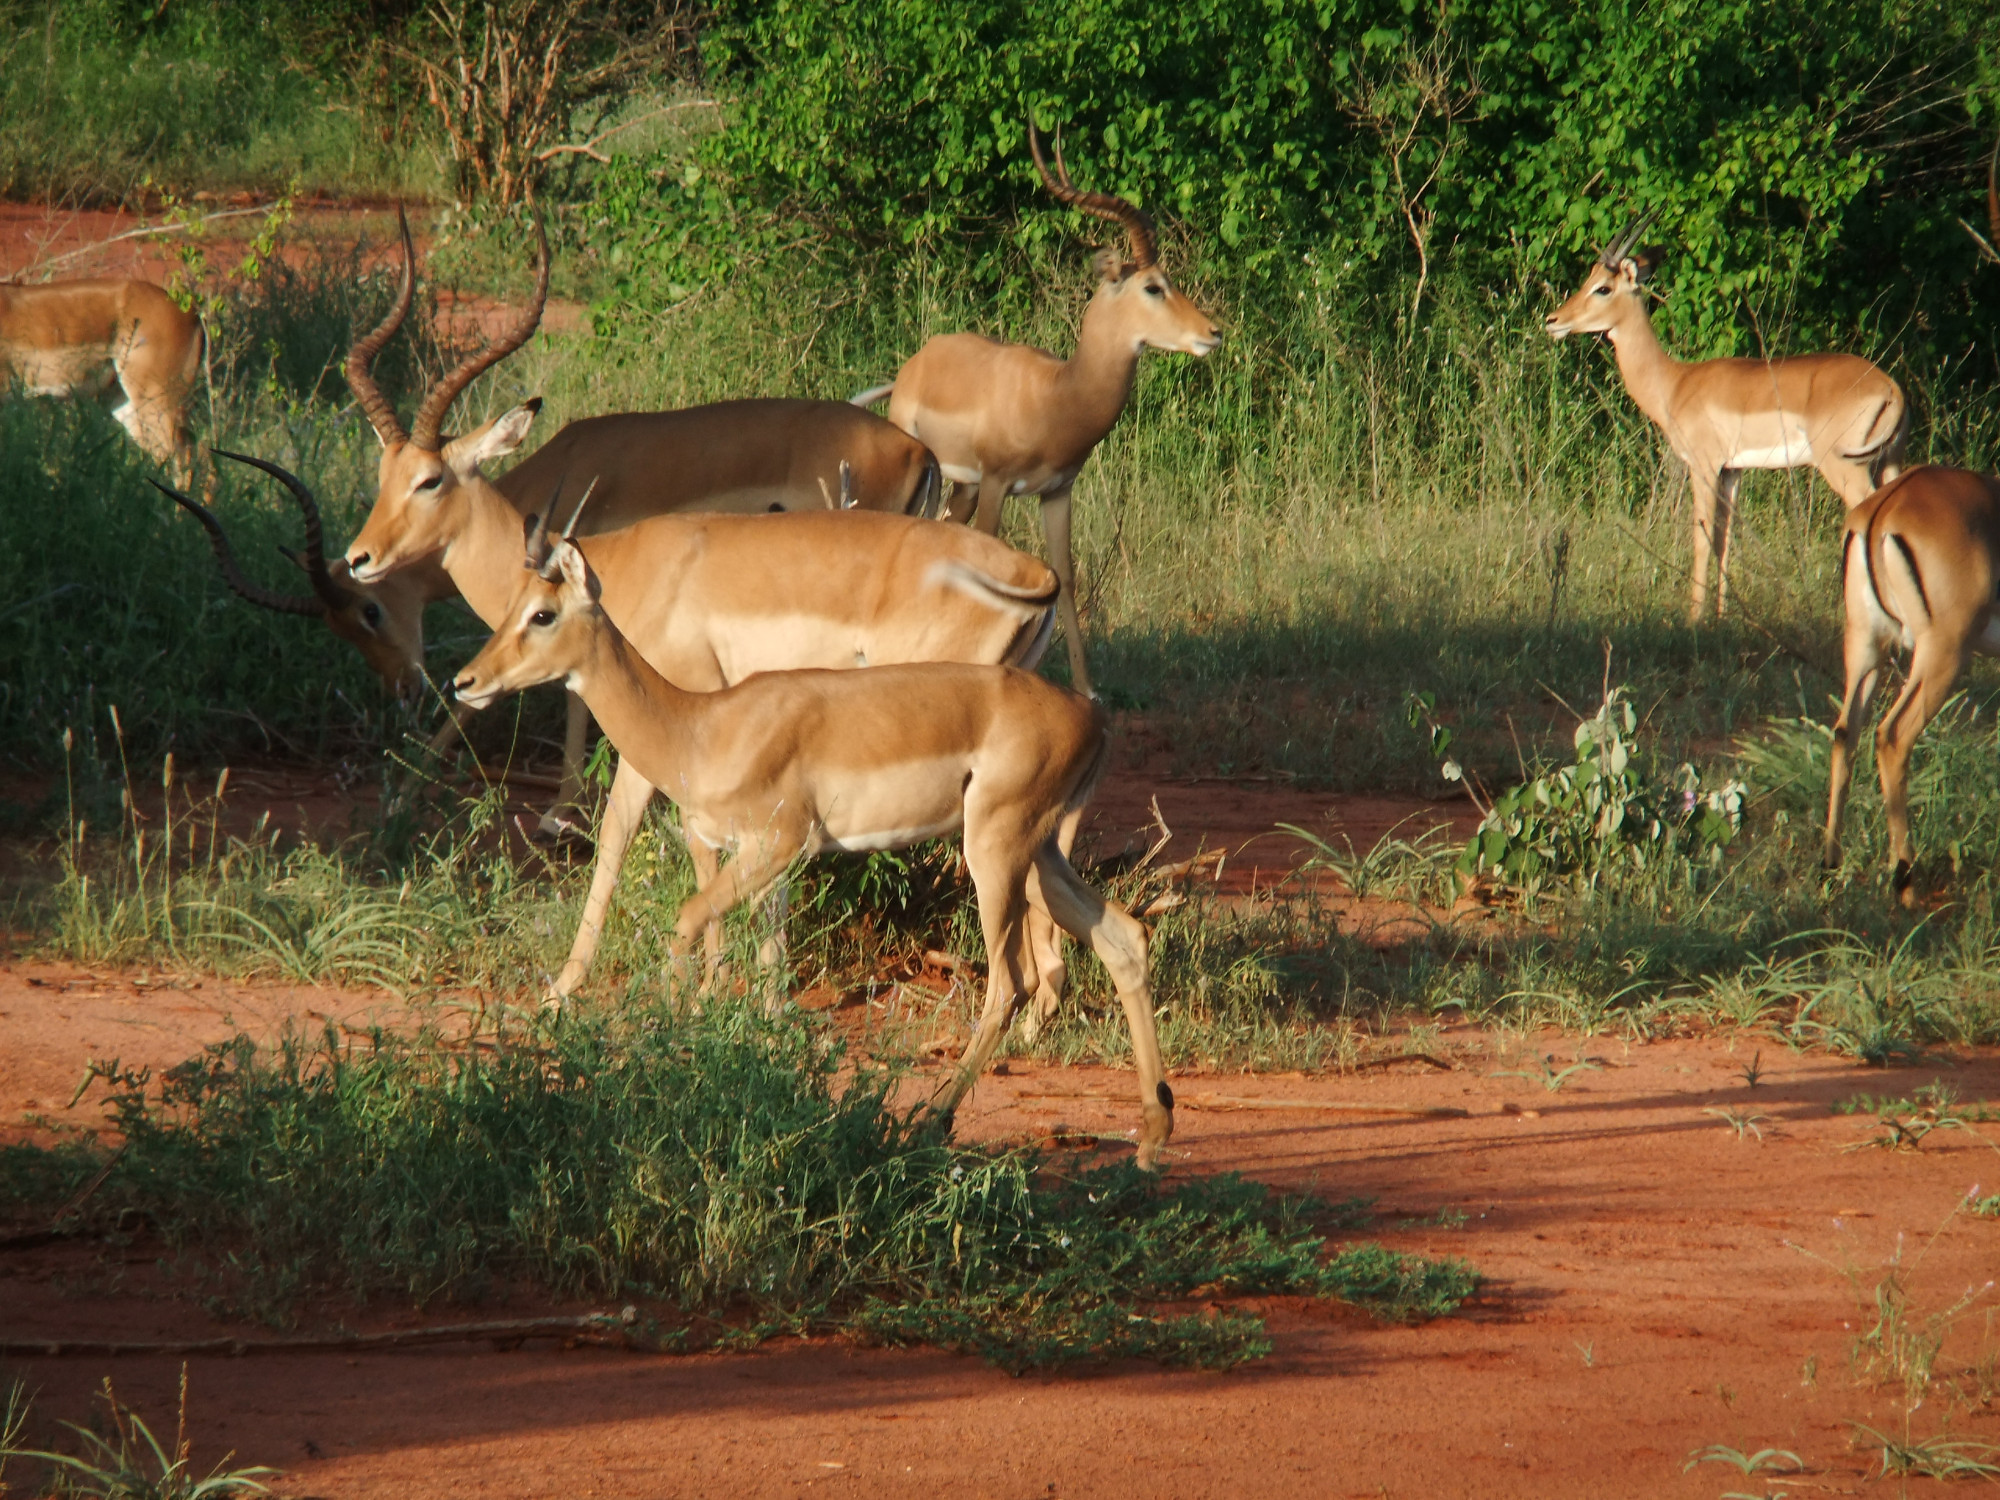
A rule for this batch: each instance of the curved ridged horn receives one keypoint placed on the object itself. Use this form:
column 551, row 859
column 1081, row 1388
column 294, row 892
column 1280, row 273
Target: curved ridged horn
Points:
column 1138, row 228
column 225, row 557
column 367, row 394
column 331, row 594
column 1618, row 249
column 429, row 420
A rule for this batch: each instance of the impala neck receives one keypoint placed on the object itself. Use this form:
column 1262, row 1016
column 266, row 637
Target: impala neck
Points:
column 1650, row 373
column 649, row 720
column 1094, row 386
column 484, row 558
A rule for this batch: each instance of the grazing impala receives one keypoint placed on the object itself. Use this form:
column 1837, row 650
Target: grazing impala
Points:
column 743, row 456
column 787, row 764
column 67, row 337
column 1919, row 567
column 1836, row 412
column 1014, row 420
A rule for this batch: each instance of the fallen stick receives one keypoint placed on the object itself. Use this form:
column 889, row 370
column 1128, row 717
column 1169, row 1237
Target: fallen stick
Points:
column 1441, row 1064
column 622, row 1328
column 1225, row 1102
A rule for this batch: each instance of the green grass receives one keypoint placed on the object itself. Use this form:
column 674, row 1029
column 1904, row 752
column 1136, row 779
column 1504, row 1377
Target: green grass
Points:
column 735, row 1168
column 103, row 99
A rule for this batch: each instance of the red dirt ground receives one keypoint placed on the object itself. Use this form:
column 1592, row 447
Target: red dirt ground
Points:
column 1654, row 1286
column 40, row 242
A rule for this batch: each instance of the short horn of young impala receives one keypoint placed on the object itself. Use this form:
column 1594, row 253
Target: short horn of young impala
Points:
column 1919, row 563
column 1835, row 412
column 1008, row 419
column 789, row 764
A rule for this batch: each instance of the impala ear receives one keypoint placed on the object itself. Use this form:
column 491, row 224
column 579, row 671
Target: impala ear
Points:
column 1110, row 266
column 1641, row 265
column 575, row 571
column 496, row 439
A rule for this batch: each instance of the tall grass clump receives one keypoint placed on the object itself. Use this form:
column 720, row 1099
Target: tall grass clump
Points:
column 104, row 98
column 731, row 1165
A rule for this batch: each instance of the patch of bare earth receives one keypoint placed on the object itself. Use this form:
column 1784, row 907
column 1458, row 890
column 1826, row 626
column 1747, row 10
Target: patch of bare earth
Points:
column 1654, row 1285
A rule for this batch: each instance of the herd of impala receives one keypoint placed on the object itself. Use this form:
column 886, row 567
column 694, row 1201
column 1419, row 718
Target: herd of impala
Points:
column 703, row 581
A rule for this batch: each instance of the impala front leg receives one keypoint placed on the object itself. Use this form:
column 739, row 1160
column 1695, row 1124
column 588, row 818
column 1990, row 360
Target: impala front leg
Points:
column 560, row 820
column 1704, row 483
column 623, row 811
column 1055, row 535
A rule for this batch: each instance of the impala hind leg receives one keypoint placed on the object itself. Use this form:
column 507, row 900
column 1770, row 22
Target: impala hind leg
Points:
column 1045, row 946
column 1055, row 535
column 1851, row 479
column 623, row 811
column 1865, row 652
column 1723, row 523
column 1118, row 940
column 755, row 869
column 999, row 878
column 1934, row 667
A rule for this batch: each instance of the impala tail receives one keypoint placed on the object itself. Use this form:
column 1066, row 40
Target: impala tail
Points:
column 1034, row 605
column 873, row 394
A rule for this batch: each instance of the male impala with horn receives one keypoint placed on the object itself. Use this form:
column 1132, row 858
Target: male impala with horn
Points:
column 65, row 338
column 1015, row 420
column 735, row 456
column 1919, row 570
column 1836, row 412
column 787, row 764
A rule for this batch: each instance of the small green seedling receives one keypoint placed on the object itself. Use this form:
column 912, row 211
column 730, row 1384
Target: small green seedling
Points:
column 1763, row 1460
column 1742, row 1121
column 1549, row 1076
column 1752, row 1072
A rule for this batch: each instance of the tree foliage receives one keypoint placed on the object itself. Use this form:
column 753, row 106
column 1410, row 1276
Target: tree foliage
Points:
column 1808, row 163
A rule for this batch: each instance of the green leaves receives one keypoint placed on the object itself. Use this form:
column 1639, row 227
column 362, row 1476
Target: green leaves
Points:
column 1578, row 821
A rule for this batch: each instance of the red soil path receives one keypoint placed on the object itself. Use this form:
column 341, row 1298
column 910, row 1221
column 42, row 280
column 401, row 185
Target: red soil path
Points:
column 1654, row 1286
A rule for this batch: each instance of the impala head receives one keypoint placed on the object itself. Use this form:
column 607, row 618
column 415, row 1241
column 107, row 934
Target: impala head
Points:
column 1148, row 304
column 422, row 473
column 1613, row 288
column 386, row 626
column 551, row 624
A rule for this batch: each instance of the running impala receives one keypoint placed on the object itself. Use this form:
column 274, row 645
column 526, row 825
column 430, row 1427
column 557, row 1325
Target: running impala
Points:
column 1009, row 419
column 73, row 338
column 788, row 764
column 1919, row 566
column 1836, row 412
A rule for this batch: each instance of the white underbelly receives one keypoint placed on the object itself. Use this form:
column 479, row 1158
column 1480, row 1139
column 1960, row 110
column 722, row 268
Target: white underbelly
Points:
column 1786, row 455
column 960, row 473
column 861, row 841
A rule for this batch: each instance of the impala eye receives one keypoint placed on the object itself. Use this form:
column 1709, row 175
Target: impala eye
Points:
column 542, row 617
column 1603, row 291
column 1154, row 289
column 371, row 614
column 431, row 483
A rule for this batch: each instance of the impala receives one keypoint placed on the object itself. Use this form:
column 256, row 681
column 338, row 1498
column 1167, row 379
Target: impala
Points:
column 1836, row 412
column 712, row 599
column 384, row 622
column 1015, row 420
column 1919, row 566
column 787, row 764
column 747, row 456
column 64, row 338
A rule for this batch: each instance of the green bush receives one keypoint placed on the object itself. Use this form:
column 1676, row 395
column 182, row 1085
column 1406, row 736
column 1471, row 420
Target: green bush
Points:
column 1808, row 162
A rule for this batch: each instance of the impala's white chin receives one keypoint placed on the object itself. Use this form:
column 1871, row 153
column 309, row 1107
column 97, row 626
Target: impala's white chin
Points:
column 477, row 697
column 1558, row 330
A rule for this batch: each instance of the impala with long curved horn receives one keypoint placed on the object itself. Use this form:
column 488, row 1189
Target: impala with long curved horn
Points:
column 1989, row 248
column 1836, row 412
column 733, row 456
column 787, row 764
column 384, row 622
column 71, row 338
column 1919, row 566
column 1010, row 419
